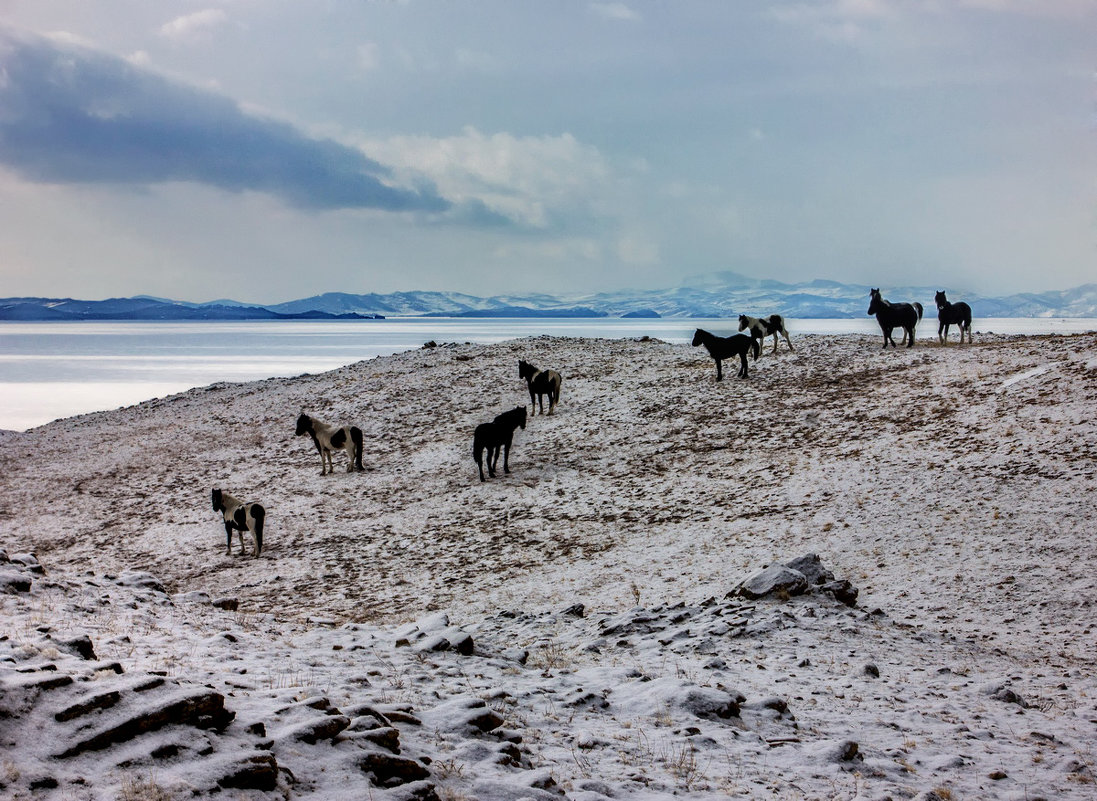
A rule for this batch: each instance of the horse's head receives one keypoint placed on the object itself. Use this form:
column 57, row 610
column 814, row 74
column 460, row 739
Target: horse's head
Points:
column 743, row 322
column 218, row 503
column 524, row 369
column 304, row 425
column 940, row 298
column 698, row 337
column 874, row 301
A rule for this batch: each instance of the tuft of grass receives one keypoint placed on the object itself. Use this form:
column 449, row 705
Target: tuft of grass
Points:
column 142, row 788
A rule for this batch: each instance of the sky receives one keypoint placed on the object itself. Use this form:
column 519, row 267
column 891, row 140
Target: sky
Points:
column 267, row 150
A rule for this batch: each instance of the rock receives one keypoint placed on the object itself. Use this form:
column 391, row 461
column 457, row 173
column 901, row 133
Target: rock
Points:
column 29, row 563
column 575, row 610
column 842, row 590
column 80, row 708
column 812, row 568
column 140, row 580
column 387, row 738
column 872, row 670
column 709, row 702
column 390, row 770
column 255, row 772
column 202, row 708
column 12, row 582
column 81, row 646
column 315, row 730
column 1000, row 691
column 772, row 580
column 466, row 715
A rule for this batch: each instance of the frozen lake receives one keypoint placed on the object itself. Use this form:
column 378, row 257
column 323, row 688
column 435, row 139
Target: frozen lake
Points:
column 53, row 370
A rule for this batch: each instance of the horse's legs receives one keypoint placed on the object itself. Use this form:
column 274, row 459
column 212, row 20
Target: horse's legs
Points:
column 719, row 371
column 228, row 538
column 774, row 343
column 788, row 341
column 506, row 456
column 743, row 369
column 910, row 336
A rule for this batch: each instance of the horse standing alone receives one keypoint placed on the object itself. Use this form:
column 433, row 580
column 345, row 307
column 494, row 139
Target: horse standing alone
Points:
column 495, row 436
column 541, row 383
column 958, row 314
column 894, row 315
column 720, row 348
column 330, row 438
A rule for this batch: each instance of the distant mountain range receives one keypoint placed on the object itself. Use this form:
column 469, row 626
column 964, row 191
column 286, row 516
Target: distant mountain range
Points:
column 723, row 294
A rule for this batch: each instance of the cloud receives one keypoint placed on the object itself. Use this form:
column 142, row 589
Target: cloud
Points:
column 615, row 11
column 369, row 56
column 74, row 115
column 195, row 25
column 536, row 182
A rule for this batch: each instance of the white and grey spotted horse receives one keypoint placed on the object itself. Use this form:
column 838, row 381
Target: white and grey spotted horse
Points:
column 331, row 438
column 240, row 517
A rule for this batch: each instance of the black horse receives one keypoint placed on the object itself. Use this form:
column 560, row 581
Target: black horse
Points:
column 494, row 436
column 895, row 315
column 958, row 314
column 541, row 383
column 721, row 348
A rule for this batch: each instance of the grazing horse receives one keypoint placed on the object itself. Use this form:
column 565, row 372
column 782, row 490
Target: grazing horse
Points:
column 895, row 315
column 497, row 435
column 541, row 383
column 240, row 517
column 329, row 438
column 760, row 328
column 950, row 314
column 720, row 348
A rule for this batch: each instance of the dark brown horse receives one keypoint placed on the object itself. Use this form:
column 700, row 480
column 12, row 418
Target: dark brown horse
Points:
column 958, row 314
column 720, row 348
column 496, row 436
column 895, row 315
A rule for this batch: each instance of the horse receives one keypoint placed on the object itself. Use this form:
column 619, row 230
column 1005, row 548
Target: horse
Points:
column 541, row 383
column 760, row 328
column 240, row 517
column 329, row 438
column 720, row 348
column 893, row 315
column 497, row 435
column 950, row 314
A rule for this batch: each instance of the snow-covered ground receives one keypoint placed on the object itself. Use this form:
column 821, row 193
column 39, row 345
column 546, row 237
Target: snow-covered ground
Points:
column 572, row 628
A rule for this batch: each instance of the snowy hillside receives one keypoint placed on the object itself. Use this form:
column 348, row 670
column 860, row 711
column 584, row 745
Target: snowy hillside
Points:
column 590, row 626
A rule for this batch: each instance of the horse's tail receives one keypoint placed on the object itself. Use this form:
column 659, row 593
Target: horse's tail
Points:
column 557, row 381
column 259, row 515
column 918, row 308
column 356, row 438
